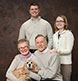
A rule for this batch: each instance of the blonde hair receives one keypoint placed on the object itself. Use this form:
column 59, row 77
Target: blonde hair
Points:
column 65, row 21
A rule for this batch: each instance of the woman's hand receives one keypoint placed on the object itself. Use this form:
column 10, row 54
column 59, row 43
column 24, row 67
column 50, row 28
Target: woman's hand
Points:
column 53, row 51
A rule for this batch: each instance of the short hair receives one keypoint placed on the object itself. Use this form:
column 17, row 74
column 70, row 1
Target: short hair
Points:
column 23, row 40
column 41, row 36
column 65, row 21
column 34, row 4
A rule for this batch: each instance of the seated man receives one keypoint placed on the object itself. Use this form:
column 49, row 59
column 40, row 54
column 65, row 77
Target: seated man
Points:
column 48, row 63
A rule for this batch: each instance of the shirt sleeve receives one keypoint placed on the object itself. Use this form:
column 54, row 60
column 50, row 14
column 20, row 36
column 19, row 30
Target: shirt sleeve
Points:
column 34, row 76
column 22, row 33
column 13, row 66
column 51, row 70
column 49, row 35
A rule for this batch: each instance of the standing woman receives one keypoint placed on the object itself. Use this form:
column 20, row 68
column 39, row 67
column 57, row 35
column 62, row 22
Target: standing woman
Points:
column 63, row 41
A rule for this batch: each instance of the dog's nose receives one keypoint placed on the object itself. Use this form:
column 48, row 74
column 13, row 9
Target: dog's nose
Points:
column 29, row 65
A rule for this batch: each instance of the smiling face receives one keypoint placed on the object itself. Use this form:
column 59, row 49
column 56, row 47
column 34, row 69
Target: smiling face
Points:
column 23, row 48
column 34, row 11
column 41, row 43
column 59, row 23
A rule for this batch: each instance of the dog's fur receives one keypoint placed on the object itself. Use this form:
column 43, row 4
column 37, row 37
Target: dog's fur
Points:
column 32, row 66
column 22, row 73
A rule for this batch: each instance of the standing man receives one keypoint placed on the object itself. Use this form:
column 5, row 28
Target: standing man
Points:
column 34, row 26
column 48, row 62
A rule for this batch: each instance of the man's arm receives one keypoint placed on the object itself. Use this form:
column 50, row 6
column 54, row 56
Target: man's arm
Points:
column 22, row 33
column 49, row 35
column 34, row 76
column 52, row 68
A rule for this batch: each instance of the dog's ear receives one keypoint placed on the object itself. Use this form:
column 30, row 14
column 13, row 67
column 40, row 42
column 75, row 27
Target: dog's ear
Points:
column 25, row 65
column 36, row 67
column 25, row 70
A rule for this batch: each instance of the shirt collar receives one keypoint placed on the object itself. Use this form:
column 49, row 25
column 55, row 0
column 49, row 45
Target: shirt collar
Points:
column 63, row 32
column 36, row 19
column 27, row 56
column 46, row 50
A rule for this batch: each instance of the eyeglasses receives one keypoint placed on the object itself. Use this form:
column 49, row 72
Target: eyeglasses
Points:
column 59, row 21
column 21, row 48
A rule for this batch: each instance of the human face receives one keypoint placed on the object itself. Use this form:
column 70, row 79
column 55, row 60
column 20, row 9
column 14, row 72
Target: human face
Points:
column 41, row 44
column 60, row 23
column 23, row 48
column 34, row 11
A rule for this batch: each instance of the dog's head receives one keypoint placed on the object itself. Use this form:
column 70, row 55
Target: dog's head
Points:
column 31, row 65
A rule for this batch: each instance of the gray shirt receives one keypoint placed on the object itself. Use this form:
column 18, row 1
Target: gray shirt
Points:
column 49, row 65
column 32, row 27
column 18, row 62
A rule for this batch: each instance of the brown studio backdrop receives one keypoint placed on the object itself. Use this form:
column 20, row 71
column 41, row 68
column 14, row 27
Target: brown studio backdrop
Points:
column 14, row 12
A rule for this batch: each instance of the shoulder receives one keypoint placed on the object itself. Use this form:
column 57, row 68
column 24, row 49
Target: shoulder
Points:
column 44, row 21
column 26, row 22
column 69, row 33
column 17, row 56
column 55, row 33
column 33, row 57
column 35, row 53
